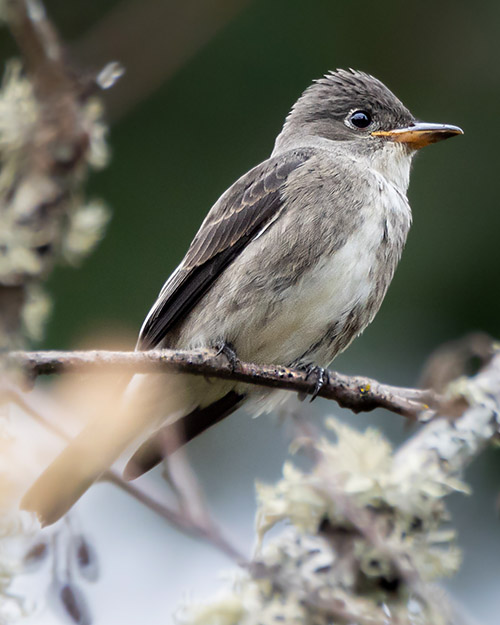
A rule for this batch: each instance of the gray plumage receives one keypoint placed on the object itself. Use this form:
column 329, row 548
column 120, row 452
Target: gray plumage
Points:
column 289, row 266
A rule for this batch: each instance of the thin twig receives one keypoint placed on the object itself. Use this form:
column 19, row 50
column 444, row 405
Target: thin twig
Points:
column 359, row 394
column 181, row 520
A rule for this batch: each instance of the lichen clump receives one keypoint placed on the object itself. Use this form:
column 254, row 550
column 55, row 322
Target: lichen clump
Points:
column 45, row 154
column 364, row 541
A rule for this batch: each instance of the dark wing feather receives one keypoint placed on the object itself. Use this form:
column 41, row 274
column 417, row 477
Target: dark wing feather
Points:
column 236, row 218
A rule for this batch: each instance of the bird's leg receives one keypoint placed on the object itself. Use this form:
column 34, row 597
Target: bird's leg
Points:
column 228, row 350
column 321, row 378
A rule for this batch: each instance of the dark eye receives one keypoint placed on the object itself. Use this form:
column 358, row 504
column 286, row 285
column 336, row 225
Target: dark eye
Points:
column 360, row 119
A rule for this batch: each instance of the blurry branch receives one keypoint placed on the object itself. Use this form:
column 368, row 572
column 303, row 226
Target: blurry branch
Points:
column 359, row 394
column 462, row 356
column 152, row 39
column 455, row 441
column 41, row 49
column 202, row 528
column 192, row 518
column 50, row 134
column 369, row 530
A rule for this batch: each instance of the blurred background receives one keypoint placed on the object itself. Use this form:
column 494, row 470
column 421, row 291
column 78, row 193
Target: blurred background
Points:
column 208, row 85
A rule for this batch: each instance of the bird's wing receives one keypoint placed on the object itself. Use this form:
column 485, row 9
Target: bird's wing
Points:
column 235, row 219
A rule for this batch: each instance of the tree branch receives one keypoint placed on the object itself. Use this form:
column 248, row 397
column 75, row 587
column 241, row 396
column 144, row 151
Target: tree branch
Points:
column 357, row 393
column 456, row 440
column 367, row 531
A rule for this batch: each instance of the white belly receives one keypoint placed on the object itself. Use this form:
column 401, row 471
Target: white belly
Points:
column 326, row 294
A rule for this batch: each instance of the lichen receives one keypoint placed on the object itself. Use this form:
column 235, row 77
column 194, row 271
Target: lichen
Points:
column 363, row 544
column 44, row 216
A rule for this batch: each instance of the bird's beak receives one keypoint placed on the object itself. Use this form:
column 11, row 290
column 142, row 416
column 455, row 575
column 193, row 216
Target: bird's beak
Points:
column 419, row 134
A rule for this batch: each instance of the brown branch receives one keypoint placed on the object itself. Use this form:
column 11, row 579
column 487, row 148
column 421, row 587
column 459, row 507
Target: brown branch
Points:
column 359, row 394
column 39, row 44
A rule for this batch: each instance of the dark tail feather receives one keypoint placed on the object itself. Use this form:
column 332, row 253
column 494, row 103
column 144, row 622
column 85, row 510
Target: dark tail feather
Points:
column 179, row 433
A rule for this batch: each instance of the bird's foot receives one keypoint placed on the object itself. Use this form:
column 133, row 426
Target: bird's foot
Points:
column 228, row 350
column 321, row 378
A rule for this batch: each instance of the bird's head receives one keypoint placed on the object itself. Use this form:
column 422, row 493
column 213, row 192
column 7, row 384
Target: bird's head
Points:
column 356, row 107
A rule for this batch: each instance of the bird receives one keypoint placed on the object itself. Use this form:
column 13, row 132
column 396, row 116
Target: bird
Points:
column 291, row 263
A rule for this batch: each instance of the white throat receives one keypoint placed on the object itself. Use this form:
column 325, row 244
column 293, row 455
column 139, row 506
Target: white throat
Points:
column 393, row 161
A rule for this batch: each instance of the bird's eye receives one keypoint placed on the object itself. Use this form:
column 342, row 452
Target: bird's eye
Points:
column 360, row 119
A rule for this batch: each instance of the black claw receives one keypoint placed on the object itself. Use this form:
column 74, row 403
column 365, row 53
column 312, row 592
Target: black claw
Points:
column 321, row 379
column 228, row 350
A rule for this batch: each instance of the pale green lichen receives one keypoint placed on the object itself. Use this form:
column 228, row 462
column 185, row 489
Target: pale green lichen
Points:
column 359, row 466
column 40, row 219
column 87, row 224
column 360, row 529
column 98, row 155
column 36, row 310
column 18, row 110
column 44, row 218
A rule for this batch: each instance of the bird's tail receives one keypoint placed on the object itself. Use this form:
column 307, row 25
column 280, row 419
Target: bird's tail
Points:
column 154, row 450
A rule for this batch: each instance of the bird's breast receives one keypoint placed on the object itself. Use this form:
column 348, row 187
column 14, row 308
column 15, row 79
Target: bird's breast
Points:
column 337, row 296
column 313, row 281
column 333, row 301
